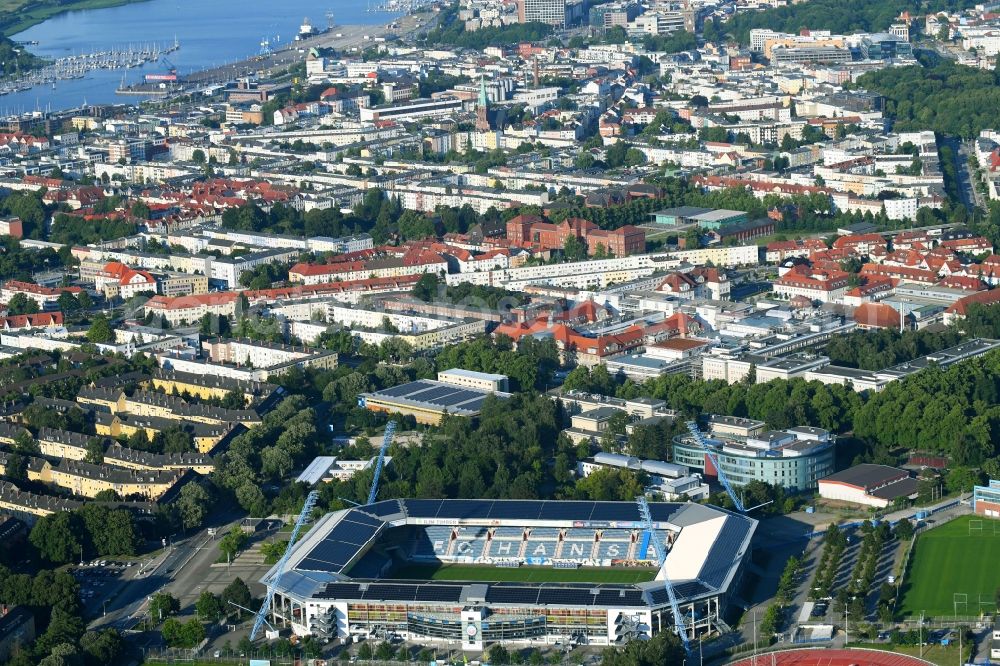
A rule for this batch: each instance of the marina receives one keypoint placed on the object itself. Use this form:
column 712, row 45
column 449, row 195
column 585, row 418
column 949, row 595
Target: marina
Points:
column 79, row 65
column 203, row 47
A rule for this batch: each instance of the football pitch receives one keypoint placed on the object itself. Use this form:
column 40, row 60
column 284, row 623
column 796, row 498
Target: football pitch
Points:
column 525, row 574
column 954, row 569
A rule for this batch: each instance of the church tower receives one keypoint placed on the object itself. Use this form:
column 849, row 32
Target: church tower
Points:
column 482, row 108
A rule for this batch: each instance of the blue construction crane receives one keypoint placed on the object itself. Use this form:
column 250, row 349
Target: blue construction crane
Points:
column 680, row 627
column 710, row 451
column 390, row 431
column 279, row 569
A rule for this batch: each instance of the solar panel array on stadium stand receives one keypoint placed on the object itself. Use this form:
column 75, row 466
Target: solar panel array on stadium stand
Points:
column 341, row 543
column 534, row 510
column 724, row 551
column 401, row 591
column 385, row 508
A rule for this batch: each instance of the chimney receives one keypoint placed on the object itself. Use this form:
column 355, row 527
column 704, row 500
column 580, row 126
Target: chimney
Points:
column 682, row 325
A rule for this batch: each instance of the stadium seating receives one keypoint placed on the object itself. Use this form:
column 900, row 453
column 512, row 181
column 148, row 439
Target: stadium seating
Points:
column 504, row 547
column 616, row 535
column 538, row 533
column 431, row 543
column 470, row 542
column 612, row 550
column 576, row 550
column 508, row 532
column 579, row 534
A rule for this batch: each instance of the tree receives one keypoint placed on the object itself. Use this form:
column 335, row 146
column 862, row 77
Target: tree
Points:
column 426, row 288
column 233, row 542
column 67, row 302
column 198, row 156
column 236, row 593
column 193, row 503
column 95, row 451
column 16, row 468
column 85, row 301
column 58, row 537
column 140, row 210
column 25, row 443
column 21, row 304
column 186, row 635
column 100, row 330
column 162, row 605
column 209, row 607
column 102, row 647
column 499, row 655
column 574, row 248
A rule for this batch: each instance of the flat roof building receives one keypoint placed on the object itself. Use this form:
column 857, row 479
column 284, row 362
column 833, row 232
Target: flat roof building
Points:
column 869, row 485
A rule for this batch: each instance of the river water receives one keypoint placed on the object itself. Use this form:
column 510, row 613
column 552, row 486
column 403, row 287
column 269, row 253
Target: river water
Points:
column 210, row 32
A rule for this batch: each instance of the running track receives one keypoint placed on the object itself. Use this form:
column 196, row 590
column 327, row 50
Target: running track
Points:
column 824, row 657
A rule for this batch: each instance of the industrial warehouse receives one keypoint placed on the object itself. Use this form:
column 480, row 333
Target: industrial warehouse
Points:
column 366, row 571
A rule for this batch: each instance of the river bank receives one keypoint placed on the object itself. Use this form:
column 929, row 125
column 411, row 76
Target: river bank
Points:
column 19, row 15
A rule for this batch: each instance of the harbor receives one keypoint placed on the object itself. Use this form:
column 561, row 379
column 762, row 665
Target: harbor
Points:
column 79, row 65
column 206, row 55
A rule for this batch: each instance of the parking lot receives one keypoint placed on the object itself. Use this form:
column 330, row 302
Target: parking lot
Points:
column 100, row 579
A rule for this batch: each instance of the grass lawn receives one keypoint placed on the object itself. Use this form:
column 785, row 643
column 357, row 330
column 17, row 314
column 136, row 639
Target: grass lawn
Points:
column 948, row 560
column 524, row 574
column 943, row 655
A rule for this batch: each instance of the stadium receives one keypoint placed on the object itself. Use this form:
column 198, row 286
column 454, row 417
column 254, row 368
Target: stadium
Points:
column 478, row 572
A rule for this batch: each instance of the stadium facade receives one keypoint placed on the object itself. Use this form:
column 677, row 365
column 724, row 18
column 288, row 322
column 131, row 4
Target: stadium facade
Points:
column 343, row 578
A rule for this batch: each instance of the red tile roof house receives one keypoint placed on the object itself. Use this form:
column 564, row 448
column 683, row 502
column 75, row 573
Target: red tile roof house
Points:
column 960, row 308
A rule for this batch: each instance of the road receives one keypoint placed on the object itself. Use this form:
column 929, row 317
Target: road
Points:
column 966, row 183
column 965, row 152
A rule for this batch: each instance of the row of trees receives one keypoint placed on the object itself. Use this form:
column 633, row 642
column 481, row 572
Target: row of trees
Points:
column 93, row 529
column 53, row 598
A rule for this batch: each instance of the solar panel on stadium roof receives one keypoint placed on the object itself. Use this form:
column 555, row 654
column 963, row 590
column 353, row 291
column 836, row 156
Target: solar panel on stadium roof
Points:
column 356, row 516
column 614, row 511
column 723, row 552
column 664, row 511
column 524, row 509
column 423, row 508
column 340, row 591
column 466, row 509
column 348, row 532
column 512, row 595
column 565, row 596
column 659, row 595
column 618, row 597
column 386, row 508
column 565, row 510
column 391, row 592
column 690, row 589
column 447, row 593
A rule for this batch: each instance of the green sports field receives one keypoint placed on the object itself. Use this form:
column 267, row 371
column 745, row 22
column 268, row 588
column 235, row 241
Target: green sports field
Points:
column 949, row 560
column 524, row 574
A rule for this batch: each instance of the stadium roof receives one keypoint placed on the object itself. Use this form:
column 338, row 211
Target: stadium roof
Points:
column 704, row 556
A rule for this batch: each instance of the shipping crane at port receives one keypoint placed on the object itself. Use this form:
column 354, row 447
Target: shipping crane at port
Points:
column 279, row 568
column 699, row 438
column 680, row 626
